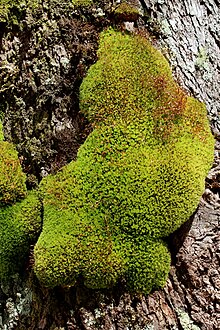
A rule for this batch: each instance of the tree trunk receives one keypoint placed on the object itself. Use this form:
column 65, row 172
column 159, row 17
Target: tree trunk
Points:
column 44, row 57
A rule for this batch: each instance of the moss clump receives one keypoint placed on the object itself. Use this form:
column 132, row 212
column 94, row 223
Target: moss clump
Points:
column 137, row 178
column 83, row 3
column 1, row 131
column 149, row 263
column 20, row 225
column 12, row 179
column 126, row 12
column 11, row 10
column 20, row 221
column 84, row 245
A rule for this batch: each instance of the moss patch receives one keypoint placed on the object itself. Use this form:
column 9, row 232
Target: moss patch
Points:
column 1, row 131
column 83, row 3
column 12, row 179
column 20, row 225
column 126, row 12
column 10, row 10
column 137, row 178
column 20, row 213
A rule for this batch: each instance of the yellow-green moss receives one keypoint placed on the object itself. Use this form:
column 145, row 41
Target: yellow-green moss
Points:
column 1, row 131
column 20, row 225
column 83, row 3
column 148, row 263
column 10, row 10
column 126, row 12
column 20, row 213
column 12, row 179
column 137, row 178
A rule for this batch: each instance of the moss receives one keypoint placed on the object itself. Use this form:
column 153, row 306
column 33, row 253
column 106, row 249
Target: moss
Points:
column 20, row 213
column 126, row 12
column 20, row 225
column 12, row 179
column 1, row 131
column 83, row 3
column 11, row 10
column 86, row 249
column 8, row 9
column 137, row 178
column 148, row 264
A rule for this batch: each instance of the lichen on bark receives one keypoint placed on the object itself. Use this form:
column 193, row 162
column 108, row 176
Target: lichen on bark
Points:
column 40, row 77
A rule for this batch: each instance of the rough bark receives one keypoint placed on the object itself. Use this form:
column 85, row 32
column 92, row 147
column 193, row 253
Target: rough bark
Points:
column 42, row 65
column 43, row 60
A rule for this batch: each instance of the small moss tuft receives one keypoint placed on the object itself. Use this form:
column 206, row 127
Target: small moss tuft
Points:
column 20, row 225
column 11, row 10
column 1, row 131
column 12, row 179
column 148, row 264
column 83, row 3
column 126, row 12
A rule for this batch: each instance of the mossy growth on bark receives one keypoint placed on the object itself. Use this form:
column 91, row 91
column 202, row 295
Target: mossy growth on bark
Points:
column 12, row 179
column 1, row 131
column 20, row 212
column 83, row 3
column 137, row 178
column 11, row 10
column 20, row 226
column 126, row 12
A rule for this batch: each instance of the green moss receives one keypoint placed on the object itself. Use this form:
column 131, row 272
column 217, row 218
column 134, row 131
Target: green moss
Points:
column 148, row 264
column 1, row 131
column 86, row 249
column 126, row 12
column 12, row 179
column 10, row 10
column 137, row 178
column 83, row 3
column 20, row 221
column 20, row 224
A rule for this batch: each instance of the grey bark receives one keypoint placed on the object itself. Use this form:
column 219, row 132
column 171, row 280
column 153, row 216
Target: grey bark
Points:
column 43, row 59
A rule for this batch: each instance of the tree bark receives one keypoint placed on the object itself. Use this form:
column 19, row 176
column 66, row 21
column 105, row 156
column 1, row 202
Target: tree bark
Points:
column 44, row 58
